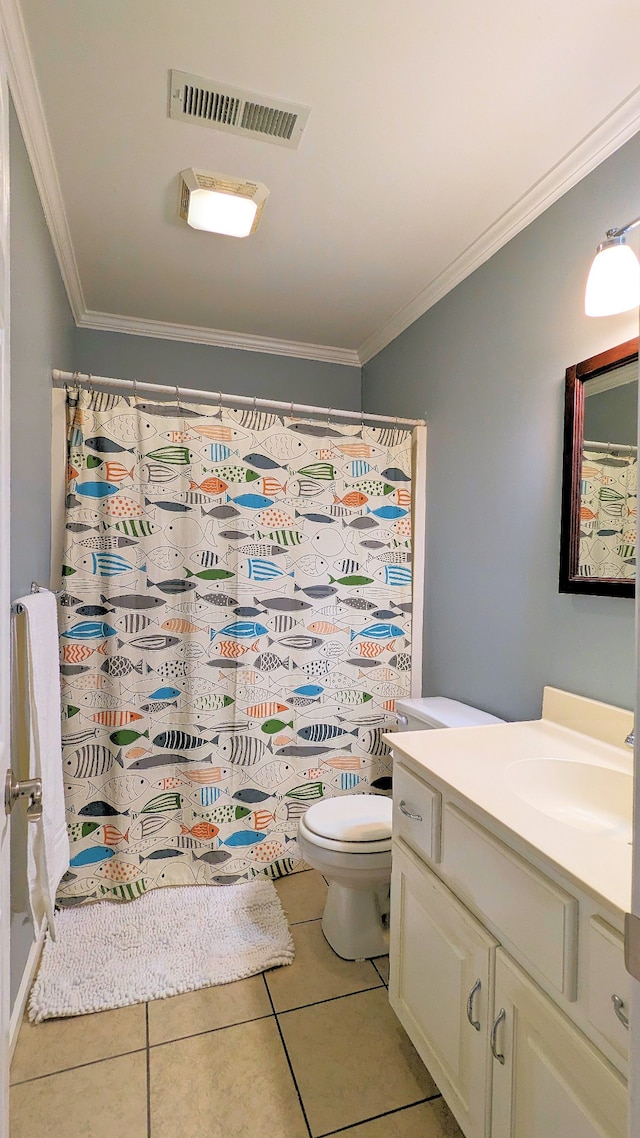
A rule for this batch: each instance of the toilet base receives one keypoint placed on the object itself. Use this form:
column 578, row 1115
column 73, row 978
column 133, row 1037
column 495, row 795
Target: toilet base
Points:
column 352, row 922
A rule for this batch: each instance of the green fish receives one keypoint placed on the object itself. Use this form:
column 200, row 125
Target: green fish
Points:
column 373, row 487
column 93, row 461
column 78, row 830
column 286, row 537
column 211, row 574
column 322, row 470
column 273, row 725
column 135, row 527
column 606, row 494
column 179, row 456
column 354, row 579
column 68, row 712
column 350, row 695
column 306, row 792
column 232, row 473
column 163, row 804
column 127, row 892
column 121, row 738
column 221, row 814
column 67, row 570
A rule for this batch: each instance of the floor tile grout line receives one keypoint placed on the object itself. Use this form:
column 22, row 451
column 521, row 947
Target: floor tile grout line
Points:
column 209, row 1031
column 289, row 1063
column 78, row 1066
column 331, row 999
column 385, row 982
column 148, row 1058
column 375, row 1117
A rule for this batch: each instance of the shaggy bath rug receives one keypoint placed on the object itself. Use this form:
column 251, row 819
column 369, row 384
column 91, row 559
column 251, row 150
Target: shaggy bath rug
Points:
column 168, row 941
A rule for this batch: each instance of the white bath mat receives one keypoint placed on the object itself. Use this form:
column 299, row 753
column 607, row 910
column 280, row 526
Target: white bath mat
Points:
column 169, row 941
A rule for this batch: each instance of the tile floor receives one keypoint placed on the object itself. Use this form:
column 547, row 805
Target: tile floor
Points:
column 305, row 1051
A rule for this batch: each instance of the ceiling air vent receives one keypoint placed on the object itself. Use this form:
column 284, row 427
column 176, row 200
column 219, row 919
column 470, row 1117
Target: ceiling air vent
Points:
column 193, row 99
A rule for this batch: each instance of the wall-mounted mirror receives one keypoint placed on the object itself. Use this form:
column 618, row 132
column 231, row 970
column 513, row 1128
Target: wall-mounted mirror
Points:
column 600, row 474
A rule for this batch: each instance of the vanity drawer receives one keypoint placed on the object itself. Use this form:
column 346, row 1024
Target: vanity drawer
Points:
column 536, row 918
column 608, row 977
column 417, row 810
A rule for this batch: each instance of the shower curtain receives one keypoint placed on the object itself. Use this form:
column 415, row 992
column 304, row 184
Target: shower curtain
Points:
column 608, row 514
column 235, row 632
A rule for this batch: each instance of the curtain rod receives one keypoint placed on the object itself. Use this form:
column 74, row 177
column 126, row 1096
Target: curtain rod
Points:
column 62, row 378
column 610, row 448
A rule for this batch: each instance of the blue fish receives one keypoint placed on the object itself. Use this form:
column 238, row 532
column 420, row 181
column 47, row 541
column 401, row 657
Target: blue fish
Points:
column 260, row 570
column 111, row 564
column 90, row 630
column 262, row 462
column 218, row 452
column 309, row 689
column 207, row 795
column 243, row 838
column 397, row 575
column 378, row 632
column 348, row 781
column 241, row 629
column 91, row 856
column 388, row 512
column 96, row 489
column 253, row 501
column 165, row 693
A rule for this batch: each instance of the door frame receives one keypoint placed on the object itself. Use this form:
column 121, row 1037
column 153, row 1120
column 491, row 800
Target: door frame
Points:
column 5, row 587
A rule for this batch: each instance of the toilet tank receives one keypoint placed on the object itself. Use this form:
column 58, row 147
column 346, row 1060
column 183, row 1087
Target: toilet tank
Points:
column 435, row 711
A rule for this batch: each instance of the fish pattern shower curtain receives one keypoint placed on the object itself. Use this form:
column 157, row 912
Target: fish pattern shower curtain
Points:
column 608, row 514
column 235, row 632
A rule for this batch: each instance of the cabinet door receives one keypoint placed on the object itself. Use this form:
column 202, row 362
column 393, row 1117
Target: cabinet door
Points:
column 552, row 1083
column 441, row 972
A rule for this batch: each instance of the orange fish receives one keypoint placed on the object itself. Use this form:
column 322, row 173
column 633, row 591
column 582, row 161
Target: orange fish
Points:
column 403, row 527
column 206, row 776
column 178, row 436
column 179, row 624
column 355, row 450
column 267, row 851
column 169, row 783
column 215, row 432
column 120, row 507
column 271, row 487
column 401, row 497
column 76, row 653
column 118, row 871
column 115, row 718
column 354, row 498
column 587, row 515
column 314, row 773
column 137, row 752
column 72, row 473
column 213, row 486
column 115, row 471
column 377, row 674
column 274, row 519
column 389, row 705
column 260, row 819
column 111, row 836
column 203, row 830
column 265, row 710
column 369, row 650
column 325, row 455
column 230, row 649
column 322, row 627
column 244, row 676
column 346, row 762
column 282, row 740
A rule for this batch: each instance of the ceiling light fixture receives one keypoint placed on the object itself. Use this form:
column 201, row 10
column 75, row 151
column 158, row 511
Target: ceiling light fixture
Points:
column 219, row 203
column 613, row 284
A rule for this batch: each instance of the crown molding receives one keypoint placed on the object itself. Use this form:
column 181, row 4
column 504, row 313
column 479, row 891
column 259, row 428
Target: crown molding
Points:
column 241, row 341
column 25, row 93
column 608, row 136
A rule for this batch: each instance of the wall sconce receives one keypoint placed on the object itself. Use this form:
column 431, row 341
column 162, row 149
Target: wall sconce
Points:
column 613, row 284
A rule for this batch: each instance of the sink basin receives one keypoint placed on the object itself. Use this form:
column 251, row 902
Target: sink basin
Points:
column 596, row 799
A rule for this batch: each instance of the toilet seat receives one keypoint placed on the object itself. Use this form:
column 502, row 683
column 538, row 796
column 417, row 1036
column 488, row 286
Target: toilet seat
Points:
column 354, row 824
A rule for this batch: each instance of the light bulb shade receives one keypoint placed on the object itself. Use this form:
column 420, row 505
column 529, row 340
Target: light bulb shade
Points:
column 613, row 284
column 220, row 203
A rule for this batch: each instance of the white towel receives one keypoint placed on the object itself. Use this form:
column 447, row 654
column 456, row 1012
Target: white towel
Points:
column 48, row 848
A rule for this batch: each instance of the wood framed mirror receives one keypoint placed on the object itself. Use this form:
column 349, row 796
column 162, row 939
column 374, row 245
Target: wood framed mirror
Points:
column 599, row 484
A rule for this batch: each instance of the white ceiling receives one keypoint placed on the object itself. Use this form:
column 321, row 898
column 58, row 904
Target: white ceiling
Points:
column 437, row 130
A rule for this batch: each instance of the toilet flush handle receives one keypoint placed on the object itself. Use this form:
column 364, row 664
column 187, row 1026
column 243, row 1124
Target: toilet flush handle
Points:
column 408, row 814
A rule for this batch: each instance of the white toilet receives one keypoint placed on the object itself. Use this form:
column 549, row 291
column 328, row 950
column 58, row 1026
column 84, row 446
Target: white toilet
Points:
column 348, row 839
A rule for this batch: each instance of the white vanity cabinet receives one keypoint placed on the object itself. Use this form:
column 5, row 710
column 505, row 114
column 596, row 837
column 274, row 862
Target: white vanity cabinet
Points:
column 502, row 975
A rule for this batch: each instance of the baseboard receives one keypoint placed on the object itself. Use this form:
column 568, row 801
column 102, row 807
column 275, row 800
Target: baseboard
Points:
column 28, row 976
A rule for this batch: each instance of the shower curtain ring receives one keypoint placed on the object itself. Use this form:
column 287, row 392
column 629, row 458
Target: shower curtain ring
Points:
column 329, row 410
column 220, row 404
column 135, row 390
column 291, row 410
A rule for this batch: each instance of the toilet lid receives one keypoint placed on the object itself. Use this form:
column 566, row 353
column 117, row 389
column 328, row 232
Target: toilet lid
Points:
column 351, row 818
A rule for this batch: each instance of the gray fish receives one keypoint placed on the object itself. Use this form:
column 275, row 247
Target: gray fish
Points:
column 100, row 810
column 73, row 902
column 406, row 607
column 359, row 603
column 284, row 604
column 247, row 611
column 401, row 661
column 361, row 523
column 133, row 601
column 385, row 782
column 172, row 587
column 158, row 705
column 93, row 610
column 73, row 669
column 318, row 732
column 244, row 750
column 306, row 700
column 153, row 643
column 373, row 743
column 224, row 663
column 320, row 431
column 355, row 663
column 220, row 512
column 394, row 474
column 171, row 507
column 156, row 854
column 133, row 622
column 68, row 601
column 384, row 614
column 105, row 542
column 90, row 761
column 79, row 737
column 300, row 643
column 236, row 535
column 179, row 739
column 221, row 599
column 166, row 410
column 251, row 795
column 165, row 759
column 320, row 519
column 107, row 446
column 78, row 527
column 373, row 544
column 72, row 502
column 269, row 662
column 294, row 752
column 119, row 667
column 213, row 857
column 261, row 462
column 316, row 592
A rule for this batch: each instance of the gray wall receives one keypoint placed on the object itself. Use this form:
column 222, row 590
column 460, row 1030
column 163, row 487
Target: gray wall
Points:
column 42, row 331
column 486, row 367
column 612, row 416
column 211, row 368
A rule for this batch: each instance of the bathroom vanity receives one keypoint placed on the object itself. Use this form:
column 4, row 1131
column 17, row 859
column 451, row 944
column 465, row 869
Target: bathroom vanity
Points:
column 511, row 877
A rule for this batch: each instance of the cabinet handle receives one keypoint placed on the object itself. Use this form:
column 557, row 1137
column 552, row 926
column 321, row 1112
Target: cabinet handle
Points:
column 408, row 814
column 476, row 988
column 618, row 1005
column 494, row 1031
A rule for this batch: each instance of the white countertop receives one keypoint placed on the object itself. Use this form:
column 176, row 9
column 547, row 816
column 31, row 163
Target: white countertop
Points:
column 472, row 763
